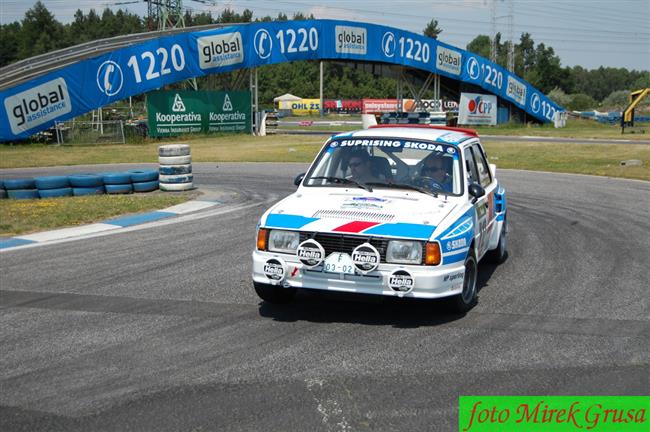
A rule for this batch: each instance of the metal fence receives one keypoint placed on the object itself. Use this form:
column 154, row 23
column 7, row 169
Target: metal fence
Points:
column 74, row 132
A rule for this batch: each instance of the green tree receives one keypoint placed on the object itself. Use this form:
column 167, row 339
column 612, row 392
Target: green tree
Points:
column 558, row 96
column 9, row 37
column 480, row 45
column 40, row 32
column 581, row 102
column 432, row 30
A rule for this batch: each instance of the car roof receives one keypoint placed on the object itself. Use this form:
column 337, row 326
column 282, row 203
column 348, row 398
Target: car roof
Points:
column 441, row 134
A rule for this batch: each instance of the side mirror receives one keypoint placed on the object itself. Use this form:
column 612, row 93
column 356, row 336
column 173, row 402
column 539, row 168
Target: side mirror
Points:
column 298, row 179
column 476, row 190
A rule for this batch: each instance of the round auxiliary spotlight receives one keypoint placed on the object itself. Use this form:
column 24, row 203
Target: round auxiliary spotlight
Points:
column 275, row 270
column 310, row 253
column 365, row 258
column 401, row 281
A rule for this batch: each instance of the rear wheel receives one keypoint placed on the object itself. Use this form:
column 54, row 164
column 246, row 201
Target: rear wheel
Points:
column 274, row 293
column 468, row 297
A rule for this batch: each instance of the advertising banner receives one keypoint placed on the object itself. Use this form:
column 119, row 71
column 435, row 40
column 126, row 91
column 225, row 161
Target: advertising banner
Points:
column 378, row 106
column 424, row 105
column 301, row 107
column 477, row 109
column 174, row 113
column 88, row 84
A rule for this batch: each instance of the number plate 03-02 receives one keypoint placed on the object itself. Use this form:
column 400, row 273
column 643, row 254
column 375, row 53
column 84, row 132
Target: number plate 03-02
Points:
column 339, row 263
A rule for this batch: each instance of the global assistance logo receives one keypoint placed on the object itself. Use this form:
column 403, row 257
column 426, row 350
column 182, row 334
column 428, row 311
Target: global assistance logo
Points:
column 448, row 60
column 351, row 40
column 38, row 105
column 220, row 50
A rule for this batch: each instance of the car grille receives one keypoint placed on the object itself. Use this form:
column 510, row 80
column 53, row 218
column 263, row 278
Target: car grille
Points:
column 346, row 243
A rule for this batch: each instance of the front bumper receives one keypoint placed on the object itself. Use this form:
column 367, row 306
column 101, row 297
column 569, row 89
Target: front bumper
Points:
column 428, row 281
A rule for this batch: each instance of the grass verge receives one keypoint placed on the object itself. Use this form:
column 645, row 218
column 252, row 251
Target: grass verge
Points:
column 593, row 159
column 25, row 216
column 596, row 159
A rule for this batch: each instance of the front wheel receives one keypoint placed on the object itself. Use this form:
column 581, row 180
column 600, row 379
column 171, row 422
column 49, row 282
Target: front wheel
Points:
column 467, row 299
column 274, row 294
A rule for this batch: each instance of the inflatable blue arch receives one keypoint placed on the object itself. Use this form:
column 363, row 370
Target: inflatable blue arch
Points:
column 75, row 89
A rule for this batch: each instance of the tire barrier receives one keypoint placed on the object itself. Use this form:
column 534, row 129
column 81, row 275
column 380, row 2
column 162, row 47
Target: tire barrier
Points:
column 85, row 180
column 175, row 160
column 51, row 182
column 83, row 191
column 143, row 176
column 19, row 184
column 83, row 184
column 175, row 168
column 116, row 178
column 145, row 186
column 55, row 193
column 114, row 189
column 174, row 150
column 23, row 193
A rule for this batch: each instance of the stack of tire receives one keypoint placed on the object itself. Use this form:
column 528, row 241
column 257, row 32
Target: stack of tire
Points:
column 86, row 184
column 53, row 186
column 21, row 188
column 175, row 167
column 144, row 180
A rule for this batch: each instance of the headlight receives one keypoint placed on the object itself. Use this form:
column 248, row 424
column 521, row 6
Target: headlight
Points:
column 283, row 241
column 405, row 252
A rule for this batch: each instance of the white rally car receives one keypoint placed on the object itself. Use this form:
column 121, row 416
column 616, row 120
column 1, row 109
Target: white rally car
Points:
column 393, row 210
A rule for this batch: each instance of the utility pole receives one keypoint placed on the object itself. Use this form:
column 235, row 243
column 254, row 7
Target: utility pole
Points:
column 493, row 44
column 511, row 35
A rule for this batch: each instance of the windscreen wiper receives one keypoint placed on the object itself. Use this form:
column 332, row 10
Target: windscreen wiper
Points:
column 405, row 186
column 342, row 180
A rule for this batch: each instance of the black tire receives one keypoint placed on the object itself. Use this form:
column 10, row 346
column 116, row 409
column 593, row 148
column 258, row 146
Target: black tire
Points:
column 468, row 298
column 499, row 255
column 274, row 293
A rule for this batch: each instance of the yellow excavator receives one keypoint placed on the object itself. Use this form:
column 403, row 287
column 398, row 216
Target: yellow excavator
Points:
column 627, row 119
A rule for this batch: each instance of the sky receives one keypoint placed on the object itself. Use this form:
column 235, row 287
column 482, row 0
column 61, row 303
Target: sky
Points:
column 589, row 33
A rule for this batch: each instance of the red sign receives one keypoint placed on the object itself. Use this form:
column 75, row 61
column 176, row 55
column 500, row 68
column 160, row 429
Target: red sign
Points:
column 375, row 106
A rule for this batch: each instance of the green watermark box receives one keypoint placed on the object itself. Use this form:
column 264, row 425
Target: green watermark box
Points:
column 553, row 413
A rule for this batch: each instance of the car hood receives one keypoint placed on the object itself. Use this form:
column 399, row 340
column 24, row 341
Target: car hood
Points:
column 385, row 213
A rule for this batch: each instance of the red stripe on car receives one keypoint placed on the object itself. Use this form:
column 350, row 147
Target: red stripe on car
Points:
column 355, row 227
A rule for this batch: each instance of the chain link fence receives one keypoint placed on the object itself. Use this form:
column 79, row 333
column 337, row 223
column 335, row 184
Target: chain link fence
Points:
column 76, row 132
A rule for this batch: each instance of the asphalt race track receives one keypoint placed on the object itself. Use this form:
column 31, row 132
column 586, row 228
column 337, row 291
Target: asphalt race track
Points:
column 159, row 329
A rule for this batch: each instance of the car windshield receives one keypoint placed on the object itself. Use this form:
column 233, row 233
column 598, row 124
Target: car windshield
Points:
column 388, row 163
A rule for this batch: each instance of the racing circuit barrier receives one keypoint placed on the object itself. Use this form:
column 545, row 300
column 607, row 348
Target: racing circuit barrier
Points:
column 111, row 183
column 175, row 167
column 58, row 93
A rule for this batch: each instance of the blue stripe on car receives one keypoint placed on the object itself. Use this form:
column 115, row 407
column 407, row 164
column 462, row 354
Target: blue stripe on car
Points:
column 454, row 257
column 404, row 230
column 287, row 221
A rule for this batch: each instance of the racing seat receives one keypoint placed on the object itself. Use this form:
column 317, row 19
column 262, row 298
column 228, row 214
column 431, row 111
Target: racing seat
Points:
column 380, row 168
